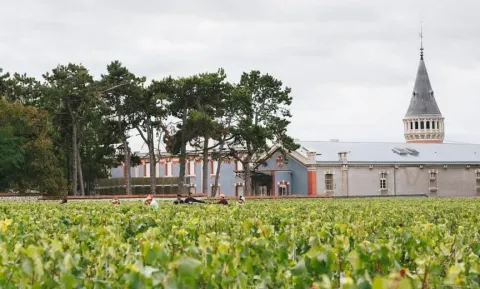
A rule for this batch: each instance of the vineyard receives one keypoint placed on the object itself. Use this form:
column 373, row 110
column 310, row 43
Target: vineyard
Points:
column 324, row 243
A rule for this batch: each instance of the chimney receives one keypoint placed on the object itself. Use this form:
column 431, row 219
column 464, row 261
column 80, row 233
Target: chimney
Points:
column 342, row 156
column 311, row 157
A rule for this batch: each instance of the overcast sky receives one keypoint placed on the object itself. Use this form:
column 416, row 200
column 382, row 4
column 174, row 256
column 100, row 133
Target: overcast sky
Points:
column 351, row 64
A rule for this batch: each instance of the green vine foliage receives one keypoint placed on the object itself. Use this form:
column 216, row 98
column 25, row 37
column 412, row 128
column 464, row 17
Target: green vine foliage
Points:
column 387, row 243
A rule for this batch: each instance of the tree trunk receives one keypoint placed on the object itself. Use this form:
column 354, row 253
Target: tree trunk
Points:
column 151, row 152
column 80, row 173
column 183, row 154
column 205, row 167
column 219, row 164
column 128, row 175
column 74, row 159
column 248, row 179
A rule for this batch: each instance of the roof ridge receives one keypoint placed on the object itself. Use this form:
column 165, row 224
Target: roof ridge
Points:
column 385, row 142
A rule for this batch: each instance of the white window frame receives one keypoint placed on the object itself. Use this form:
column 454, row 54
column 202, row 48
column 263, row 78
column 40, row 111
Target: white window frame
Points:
column 284, row 188
column 239, row 166
column 136, row 171
column 147, row 170
column 191, row 166
column 329, row 177
column 214, row 167
column 169, row 168
column 383, row 180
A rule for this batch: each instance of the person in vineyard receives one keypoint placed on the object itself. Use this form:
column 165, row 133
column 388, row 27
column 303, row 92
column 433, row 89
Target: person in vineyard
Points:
column 149, row 201
column 222, row 201
column 63, row 200
column 178, row 200
column 241, row 200
column 116, row 201
column 191, row 200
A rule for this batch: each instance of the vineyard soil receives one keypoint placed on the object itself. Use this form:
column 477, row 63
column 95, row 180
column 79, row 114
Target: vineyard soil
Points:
column 314, row 243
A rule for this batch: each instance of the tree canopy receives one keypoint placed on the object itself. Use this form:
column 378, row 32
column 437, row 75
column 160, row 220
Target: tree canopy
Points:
column 70, row 128
column 27, row 157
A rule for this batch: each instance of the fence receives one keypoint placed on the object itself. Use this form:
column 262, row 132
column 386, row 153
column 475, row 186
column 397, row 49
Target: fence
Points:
column 140, row 186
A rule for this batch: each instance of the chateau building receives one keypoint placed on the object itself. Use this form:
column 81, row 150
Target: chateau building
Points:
column 424, row 164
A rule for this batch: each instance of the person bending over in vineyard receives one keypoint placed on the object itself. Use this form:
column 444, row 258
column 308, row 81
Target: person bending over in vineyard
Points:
column 116, row 201
column 191, row 200
column 178, row 200
column 241, row 200
column 64, row 200
column 149, row 201
column 222, row 201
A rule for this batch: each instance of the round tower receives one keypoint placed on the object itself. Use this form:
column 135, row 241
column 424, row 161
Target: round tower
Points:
column 423, row 122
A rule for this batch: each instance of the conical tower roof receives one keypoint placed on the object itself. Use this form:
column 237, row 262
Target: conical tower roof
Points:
column 423, row 100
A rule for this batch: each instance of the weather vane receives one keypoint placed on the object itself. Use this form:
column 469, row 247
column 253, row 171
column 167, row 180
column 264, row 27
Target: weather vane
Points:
column 421, row 39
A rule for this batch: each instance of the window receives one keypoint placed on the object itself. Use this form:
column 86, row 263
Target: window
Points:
column 191, row 168
column 329, row 182
column 383, row 181
column 422, row 125
column 478, row 174
column 428, row 124
column 438, row 124
column 416, row 125
column 213, row 167
column 411, row 125
column 433, row 124
column 168, row 169
column 282, row 190
column 147, row 170
column 433, row 179
column 238, row 166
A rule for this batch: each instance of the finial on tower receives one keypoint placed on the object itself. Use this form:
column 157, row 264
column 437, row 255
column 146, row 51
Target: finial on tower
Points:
column 421, row 40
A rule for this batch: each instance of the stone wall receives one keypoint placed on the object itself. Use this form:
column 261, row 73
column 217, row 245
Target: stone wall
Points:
column 448, row 181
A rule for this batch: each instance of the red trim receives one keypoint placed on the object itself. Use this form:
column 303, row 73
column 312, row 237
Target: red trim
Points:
column 312, row 183
column 273, row 193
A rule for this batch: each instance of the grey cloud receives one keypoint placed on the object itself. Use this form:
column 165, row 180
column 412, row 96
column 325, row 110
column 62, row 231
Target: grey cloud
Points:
column 351, row 63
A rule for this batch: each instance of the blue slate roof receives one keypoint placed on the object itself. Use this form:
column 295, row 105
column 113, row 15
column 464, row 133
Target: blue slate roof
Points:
column 383, row 152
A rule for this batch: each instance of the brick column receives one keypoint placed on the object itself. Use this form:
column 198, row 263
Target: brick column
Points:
column 312, row 181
